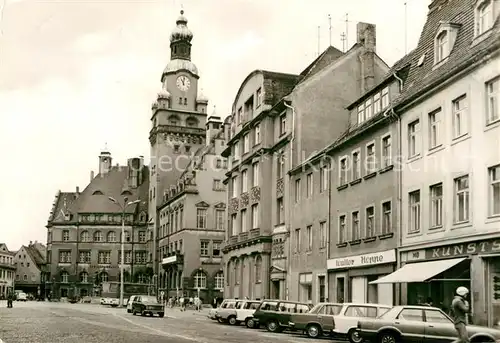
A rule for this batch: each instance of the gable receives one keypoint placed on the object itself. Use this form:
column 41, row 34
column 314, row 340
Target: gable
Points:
column 3, row 247
column 202, row 204
column 220, row 206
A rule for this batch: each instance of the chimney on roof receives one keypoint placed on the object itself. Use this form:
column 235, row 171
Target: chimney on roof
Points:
column 77, row 190
column 91, row 175
column 367, row 37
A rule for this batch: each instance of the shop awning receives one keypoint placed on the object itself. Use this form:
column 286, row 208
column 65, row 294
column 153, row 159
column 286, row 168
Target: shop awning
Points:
column 418, row 272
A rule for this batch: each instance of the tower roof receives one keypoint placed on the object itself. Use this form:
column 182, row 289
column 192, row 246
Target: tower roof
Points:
column 181, row 31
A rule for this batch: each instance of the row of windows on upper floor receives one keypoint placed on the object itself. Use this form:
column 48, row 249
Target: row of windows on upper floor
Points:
column 234, row 270
column 460, row 120
column 84, row 277
column 103, row 257
column 246, row 111
column 6, row 274
column 109, row 218
column 460, row 204
column 98, row 236
column 175, row 221
column 244, row 223
column 6, row 260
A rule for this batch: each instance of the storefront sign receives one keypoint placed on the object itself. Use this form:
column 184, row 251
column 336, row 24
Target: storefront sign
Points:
column 462, row 249
column 170, row 259
column 388, row 256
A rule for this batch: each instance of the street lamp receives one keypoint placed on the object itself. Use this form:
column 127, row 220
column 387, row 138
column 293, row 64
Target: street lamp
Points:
column 122, row 248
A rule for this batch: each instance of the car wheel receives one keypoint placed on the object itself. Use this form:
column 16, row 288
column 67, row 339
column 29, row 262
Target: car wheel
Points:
column 250, row 323
column 388, row 337
column 313, row 331
column 354, row 336
column 161, row 314
column 232, row 320
column 272, row 326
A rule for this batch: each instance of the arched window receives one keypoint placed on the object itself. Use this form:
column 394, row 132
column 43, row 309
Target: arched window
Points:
column 484, row 15
column 258, row 269
column 111, row 236
column 64, row 277
column 84, row 236
column 104, row 277
column 84, row 277
column 219, row 280
column 200, row 279
column 441, row 46
column 25, row 277
column 98, row 236
column 237, row 273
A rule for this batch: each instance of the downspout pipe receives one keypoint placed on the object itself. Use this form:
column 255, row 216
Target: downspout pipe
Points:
column 290, row 166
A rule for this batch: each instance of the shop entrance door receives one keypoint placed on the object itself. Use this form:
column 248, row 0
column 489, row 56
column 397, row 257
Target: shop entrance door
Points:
column 276, row 289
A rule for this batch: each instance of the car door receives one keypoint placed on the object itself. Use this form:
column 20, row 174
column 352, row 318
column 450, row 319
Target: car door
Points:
column 352, row 314
column 410, row 322
column 327, row 320
column 438, row 328
column 136, row 305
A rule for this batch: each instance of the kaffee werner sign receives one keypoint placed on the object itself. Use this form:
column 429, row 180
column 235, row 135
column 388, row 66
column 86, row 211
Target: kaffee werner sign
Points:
column 365, row 260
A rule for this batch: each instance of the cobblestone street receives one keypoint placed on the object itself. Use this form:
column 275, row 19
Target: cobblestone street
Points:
column 34, row 322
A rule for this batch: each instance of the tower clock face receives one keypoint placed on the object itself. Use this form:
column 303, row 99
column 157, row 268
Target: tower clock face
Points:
column 183, row 83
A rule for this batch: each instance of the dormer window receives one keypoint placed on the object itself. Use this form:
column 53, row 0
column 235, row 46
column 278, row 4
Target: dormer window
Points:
column 441, row 46
column 484, row 16
column 444, row 41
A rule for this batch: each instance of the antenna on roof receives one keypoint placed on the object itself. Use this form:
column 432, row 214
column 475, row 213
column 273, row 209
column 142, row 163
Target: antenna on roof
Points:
column 330, row 29
column 347, row 29
column 342, row 38
column 406, row 26
column 319, row 31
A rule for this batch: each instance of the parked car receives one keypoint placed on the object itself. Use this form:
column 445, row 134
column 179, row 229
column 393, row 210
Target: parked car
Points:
column 21, row 296
column 129, row 303
column 212, row 313
column 223, row 313
column 419, row 323
column 337, row 320
column 275, row 314
column 145, row 304
column 114, row 302
column 244, row 310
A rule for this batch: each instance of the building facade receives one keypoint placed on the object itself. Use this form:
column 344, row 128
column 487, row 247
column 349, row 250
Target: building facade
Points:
column 84, row 231
column 30, row 263
column 312, row 198
column 7, row 271
column 178, row 127
column 450, row 191
column 192, row 223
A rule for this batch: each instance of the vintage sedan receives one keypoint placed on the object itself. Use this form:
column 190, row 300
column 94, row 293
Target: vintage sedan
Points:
column 145, row 304
column 419, row 324
column 337, row 320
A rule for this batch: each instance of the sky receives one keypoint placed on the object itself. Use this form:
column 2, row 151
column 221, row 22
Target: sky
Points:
column 76, row 76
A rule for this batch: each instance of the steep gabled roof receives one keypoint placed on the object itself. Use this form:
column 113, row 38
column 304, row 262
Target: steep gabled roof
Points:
column 63, row 203
column 325, row 58
column 35, row 255
column 423, row 77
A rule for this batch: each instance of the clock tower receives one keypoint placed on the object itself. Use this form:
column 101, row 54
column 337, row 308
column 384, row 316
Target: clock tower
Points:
column 178, row 121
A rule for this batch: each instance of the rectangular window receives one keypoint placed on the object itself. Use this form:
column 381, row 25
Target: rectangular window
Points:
column 309, row 184
column 343, row 171
column 65, row 235
column 342, row 229
column 234, row 224
column 104, row 257
column 414, row 211
column 204, row 248
column 368, row 109
column 484, row 17
column 434, row 129
column 309, row 238
column 370, row 222
column 281, row 211
column 297, row 240
column 371, row 159
column 240, row 115
column 282, row 124
column 244, row 181
column 65, row 256
column 255, row 216
column 219, row 219
column 256, row 134
column 84, row 257
column 236, row 150
column 234, row 186
column 216, row 249
column 217, row 186
column 494, row 173
column 442, row 46
column 255, row 174
column 385, row 97
column 142, row 236
column 323, row 179
column 436, row 192
column 356, row 166
column 462, row 204
column 246, row 143
column 361, row 113
column 259, row 97
column 201, row 218
column 386, row 217
column 493, row 98
column 460, row 116
column 356, row 234
column 297, row 191
column 376, row 103
column 413, row 138
column 244, row 226
column 323, row 235
column 280, row 165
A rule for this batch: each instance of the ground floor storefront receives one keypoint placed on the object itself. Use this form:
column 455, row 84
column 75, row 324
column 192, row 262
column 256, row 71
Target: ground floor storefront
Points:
column 350, row 278
column 432, row 274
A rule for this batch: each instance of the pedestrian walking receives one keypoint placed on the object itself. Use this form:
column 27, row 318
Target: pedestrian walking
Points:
column 10, row 299
column 197, row 304
column 460, row 308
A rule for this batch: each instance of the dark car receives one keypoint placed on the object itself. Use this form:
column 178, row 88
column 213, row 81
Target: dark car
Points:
column 145, row 304
column 419, row 324
column 275, row 314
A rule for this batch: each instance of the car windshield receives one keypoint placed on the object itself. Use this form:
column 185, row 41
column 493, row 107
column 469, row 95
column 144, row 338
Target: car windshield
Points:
column 149, row 300
column 389, row 313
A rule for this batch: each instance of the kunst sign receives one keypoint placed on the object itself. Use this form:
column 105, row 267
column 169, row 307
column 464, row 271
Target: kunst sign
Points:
column 388, row 256
column 462, row 249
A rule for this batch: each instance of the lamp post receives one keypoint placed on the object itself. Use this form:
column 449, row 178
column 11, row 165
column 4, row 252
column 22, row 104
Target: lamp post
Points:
column 122, row 240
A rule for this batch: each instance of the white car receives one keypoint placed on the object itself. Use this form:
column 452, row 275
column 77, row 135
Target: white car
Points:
column 114, row 302
column 22, row 297
column 129, row 303
column 244, row 312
